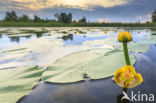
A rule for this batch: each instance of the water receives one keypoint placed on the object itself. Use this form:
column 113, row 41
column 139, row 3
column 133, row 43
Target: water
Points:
column 98, row 91
column 88, row 91
column 50, row 44
column 12, row 41
column 71, row 38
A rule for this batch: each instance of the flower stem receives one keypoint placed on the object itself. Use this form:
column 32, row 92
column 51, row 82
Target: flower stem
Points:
column 126, row 53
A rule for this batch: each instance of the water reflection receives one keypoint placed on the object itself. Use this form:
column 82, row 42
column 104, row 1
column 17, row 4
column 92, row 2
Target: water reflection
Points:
column 28, row 36
column 15, row 39
column 1, row 35
column 153, row 33
column 72, row 39
column 9, row 40
column 79, row 39
column 67, row 37
column 18, row 37
column 81, row 92
column 39, row 34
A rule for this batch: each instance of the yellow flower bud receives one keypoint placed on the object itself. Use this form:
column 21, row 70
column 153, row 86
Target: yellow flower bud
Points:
column 124, row 36
column 115, row 31
column 126, row 77
column 105, row 32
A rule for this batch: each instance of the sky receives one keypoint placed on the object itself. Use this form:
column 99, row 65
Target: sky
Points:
column 93, row 10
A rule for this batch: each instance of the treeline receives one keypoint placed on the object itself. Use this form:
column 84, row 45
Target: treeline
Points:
column 154, row 16
column 60, row 17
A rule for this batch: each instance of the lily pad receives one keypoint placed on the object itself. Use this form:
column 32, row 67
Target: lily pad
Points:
column 152, row 37
column 34, row 45
column 139, row 47
column 17, row 82
column 13, row 50
column 93, row 63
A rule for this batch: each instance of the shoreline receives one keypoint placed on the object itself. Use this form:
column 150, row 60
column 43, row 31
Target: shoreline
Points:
column 60, row 24
column 147, row 27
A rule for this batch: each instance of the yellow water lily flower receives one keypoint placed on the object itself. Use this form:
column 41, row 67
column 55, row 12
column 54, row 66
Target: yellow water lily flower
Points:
column 115, row 31
column 77, row 32
column 105, row 32
column 124, row 36
column 126, row 77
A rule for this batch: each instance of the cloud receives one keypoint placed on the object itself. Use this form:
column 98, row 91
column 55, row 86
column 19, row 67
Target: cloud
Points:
column 81, row 4
column 144, row 18
column 103, row 20
column 149, row 15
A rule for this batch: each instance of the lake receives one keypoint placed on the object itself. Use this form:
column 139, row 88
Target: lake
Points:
column 59, row 47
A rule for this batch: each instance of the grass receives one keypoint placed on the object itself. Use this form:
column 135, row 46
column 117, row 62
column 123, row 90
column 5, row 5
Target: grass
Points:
column 60, row 24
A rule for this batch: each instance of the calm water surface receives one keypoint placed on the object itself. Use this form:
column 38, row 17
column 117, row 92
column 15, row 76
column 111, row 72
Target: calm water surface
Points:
column 88, row 91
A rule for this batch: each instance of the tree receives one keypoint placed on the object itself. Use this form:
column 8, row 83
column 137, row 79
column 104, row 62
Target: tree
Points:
column 64, row 17
column 37, row 19
column 11, row 16
column 83, row 20
column 154, row 16
column 24, row 18
column 69, row 18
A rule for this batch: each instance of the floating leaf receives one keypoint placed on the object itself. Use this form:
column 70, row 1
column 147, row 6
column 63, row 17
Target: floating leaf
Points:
column 93, row 63
column 34, row 45
column 105, row 66
column 17, row 82
column 139, row 47
column 152, row 37
column 13, row 50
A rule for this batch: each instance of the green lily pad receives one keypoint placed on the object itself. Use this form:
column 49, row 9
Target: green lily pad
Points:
column 93, row 63
column 152, row 37
column 139, row 47
column 13, row 50
column 17, row 82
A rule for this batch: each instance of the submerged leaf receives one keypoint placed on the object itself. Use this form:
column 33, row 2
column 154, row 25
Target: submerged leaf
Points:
column 17, row 82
